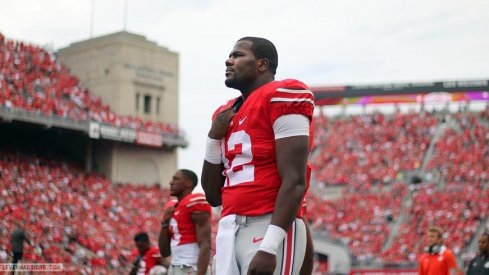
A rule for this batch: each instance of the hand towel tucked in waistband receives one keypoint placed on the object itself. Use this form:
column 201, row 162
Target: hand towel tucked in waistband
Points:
column 225, row 241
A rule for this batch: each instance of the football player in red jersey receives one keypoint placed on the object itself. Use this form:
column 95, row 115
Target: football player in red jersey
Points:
column 256, row 165
column 186, row 227
column 148, row 257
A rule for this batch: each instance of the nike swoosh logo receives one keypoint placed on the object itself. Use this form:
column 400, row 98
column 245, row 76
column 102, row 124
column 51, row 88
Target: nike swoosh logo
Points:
column 255, row 240
column 242, row 120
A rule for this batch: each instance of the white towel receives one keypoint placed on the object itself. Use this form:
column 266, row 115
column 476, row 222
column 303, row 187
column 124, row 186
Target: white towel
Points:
column 225, row 241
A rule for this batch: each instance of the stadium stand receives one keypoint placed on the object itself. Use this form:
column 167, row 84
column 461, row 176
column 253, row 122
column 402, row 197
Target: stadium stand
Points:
column 459, row 202
column 360, row 220
column 70, row 213
column 457, row 208
column 73, row 217
column 376, row 150
column 32, row 79
column 370, row 163
column 87, row 222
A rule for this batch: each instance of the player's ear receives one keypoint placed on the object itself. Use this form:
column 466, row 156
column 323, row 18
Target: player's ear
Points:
column 189, row 184
column 263, row 65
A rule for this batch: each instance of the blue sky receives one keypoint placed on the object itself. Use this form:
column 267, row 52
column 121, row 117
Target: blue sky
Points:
column 319, row 42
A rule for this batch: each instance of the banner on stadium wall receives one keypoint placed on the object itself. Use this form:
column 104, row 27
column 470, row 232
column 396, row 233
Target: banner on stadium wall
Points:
column 465, row 90
column 149, row 139
column 94, row 130
column 97, row 130
column 384, row 272
column 439, row 97
column 116, row 133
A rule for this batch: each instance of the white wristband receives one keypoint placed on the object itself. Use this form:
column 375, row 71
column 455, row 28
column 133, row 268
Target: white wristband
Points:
column 213, row 151
column 274, row 236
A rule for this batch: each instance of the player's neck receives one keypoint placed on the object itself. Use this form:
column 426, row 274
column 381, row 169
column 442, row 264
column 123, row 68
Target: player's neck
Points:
column 260, row 81
column 184, row 194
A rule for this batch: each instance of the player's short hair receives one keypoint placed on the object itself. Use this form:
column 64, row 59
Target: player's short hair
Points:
column 141, row 237
column 191, row 176
column 485, row 234
column 263, row 48
column 437, row 230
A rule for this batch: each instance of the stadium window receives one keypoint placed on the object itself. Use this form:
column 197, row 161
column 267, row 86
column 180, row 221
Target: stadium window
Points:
column 137, row 101
column 158, row 105
column 147, row 104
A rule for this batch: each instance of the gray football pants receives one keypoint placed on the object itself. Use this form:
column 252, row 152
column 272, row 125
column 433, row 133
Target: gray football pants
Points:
column 251, row 231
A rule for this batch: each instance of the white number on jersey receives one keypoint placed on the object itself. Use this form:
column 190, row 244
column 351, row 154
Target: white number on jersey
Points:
column 176, row 234
column 239, row 170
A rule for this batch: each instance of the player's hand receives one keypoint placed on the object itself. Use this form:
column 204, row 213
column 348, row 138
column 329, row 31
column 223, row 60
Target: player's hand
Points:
column 221, row 123
column 168, row 213
column 263, row 263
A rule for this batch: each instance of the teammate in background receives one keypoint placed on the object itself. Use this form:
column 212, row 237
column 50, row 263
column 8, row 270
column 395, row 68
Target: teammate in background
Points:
column 18, row 238
column 437, row 259
column 479, row 265
column 256, row 165
column 186, row 227
column 148, row 257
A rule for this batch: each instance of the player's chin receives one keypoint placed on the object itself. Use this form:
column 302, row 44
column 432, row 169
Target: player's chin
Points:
column 230, row 82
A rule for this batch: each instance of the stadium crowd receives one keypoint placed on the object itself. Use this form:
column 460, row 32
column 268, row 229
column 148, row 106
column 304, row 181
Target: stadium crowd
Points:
column 458, row 205
column 82, row 220
column 360, row 220
column 457, row 208
column 32, row 79
column 87, row 222
column 380, row 146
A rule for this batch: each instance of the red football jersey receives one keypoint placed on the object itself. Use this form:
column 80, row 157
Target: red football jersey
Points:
column 182, row 229
column 170, row 203
column 248, row 149
column 149, row 260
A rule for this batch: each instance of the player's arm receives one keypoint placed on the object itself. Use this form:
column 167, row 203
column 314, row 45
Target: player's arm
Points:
column 291, row 154
column 164, row 261
column 212, row 182
column 164, row 238
column 212, row 178
column 203, row 231
column 308, row 263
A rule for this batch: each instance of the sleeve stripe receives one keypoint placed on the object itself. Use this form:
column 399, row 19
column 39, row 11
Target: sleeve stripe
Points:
column 292, row 91
column 198, row 198
column 284, row 99
column 197, row 202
